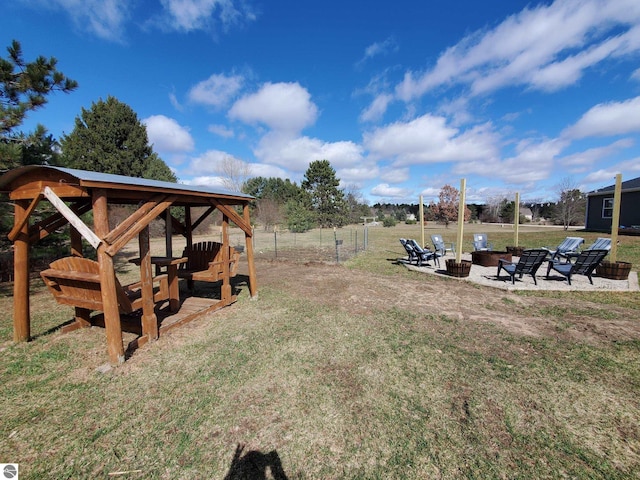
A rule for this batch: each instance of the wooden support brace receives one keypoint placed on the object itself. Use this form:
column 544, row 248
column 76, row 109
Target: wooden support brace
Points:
column 17, row 228
column 73, row 219
column 233, row 216
column 142, row 223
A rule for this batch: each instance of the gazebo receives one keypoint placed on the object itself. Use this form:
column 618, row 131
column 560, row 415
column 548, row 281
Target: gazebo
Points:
column 74, row 193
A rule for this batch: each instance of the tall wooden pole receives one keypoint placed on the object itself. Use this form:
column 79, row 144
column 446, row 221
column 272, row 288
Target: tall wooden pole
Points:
column 21, row 318
column 516, row 219
column 253, row 287
column 615, row 221
column 107, row 280
column 421, row 213
column 461, row 208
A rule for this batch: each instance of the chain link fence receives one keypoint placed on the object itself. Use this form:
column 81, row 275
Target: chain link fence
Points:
column 317, row 245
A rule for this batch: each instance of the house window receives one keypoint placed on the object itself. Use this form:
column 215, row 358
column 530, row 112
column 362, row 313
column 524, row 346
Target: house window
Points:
column 607, row 208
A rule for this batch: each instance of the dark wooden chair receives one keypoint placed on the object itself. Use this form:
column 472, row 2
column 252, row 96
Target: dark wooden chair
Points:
column 76, row 281
column 205, row 263
column 529, row 263
column 585, row 264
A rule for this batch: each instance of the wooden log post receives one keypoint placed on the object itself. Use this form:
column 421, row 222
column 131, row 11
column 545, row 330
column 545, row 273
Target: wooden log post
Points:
column 253, row 287
column 226, row 283
column 149, row 319
column 107, row 280
column 21, row 318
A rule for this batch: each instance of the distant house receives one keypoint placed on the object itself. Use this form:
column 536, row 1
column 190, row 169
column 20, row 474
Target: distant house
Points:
column 526, row 213
column 600, row 207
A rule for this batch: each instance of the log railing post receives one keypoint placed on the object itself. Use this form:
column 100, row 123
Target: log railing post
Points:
column 253, row 287
column 107, row 280
column 149, row 319
column 21, row 318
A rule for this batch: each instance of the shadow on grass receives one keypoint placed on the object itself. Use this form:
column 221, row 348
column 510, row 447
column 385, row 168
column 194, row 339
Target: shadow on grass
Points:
column 254, row 465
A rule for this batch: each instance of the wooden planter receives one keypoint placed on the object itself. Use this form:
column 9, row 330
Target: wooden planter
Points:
column 461, row 269
column 515, row 251
column 614, row 270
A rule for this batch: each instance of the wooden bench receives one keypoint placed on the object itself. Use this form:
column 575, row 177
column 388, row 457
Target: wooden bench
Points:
column 76, row 281
column 205, row 263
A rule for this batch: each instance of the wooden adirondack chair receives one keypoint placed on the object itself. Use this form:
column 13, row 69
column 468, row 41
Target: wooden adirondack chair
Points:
column 76, row 281
column 481, row 242
column 568, row 246
column 529, row 263
column 205, row 263
column 441, row 247
column 585, row 264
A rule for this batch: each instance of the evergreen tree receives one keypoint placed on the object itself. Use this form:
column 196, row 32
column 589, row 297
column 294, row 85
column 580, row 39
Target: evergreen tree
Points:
column 327, row 200
column 110, row 138
column 24, row 86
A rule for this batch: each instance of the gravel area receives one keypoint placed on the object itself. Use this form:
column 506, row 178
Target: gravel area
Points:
column 487, row 276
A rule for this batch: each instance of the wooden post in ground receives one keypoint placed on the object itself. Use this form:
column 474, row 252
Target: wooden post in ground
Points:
column 226, row 283
column 516, row 219
column 615, row 221
column 253, row 287
column 21, row 318
column 461, row 208
column 149, row 318
column 107, row 280
column 421, row 213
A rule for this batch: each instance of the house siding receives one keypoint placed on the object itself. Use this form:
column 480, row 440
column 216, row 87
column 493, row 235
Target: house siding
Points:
column 629, row 211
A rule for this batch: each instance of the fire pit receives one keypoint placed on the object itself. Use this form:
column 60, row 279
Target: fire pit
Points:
column 489, row 258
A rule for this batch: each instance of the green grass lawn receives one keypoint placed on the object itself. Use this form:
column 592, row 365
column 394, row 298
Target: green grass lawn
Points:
column 386, row 392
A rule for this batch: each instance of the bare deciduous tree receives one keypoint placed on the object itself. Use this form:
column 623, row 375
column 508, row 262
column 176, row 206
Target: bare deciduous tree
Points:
column 571, row 204
column 234, row 172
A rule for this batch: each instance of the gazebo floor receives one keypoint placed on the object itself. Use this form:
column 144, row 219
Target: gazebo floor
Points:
column 190, row 309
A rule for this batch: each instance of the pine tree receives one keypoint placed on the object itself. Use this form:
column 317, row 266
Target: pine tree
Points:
column 109, row 138
column 328, row 201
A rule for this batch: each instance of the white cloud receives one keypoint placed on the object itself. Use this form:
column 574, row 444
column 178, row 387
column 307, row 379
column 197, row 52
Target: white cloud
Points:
column 428, row 139
column 606, row 176
column 376, row 110
column 207, row 181
column 395, row 175
column 607, row 119
column 546, row 47
column 221, row 131
column 285, row 107
column 167, row 135
column 174, row 101
column 384, row 190
column 216, row 91
column 103, row 18
column 296, row 153
column 209, row 162
column 583, row 161
column 190, row 15
column 379, row 48
column 533, row 162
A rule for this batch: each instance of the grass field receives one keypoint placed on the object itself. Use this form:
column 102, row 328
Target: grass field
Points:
column 361, row 370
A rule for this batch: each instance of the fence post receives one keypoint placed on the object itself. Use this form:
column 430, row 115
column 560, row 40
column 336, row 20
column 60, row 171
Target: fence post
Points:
column 356, row 243
column 275, row 241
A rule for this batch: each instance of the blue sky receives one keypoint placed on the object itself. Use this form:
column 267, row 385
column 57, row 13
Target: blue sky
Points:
column 401, row 97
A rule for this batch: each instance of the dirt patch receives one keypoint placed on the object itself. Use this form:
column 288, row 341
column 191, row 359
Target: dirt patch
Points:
column 361, row 292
